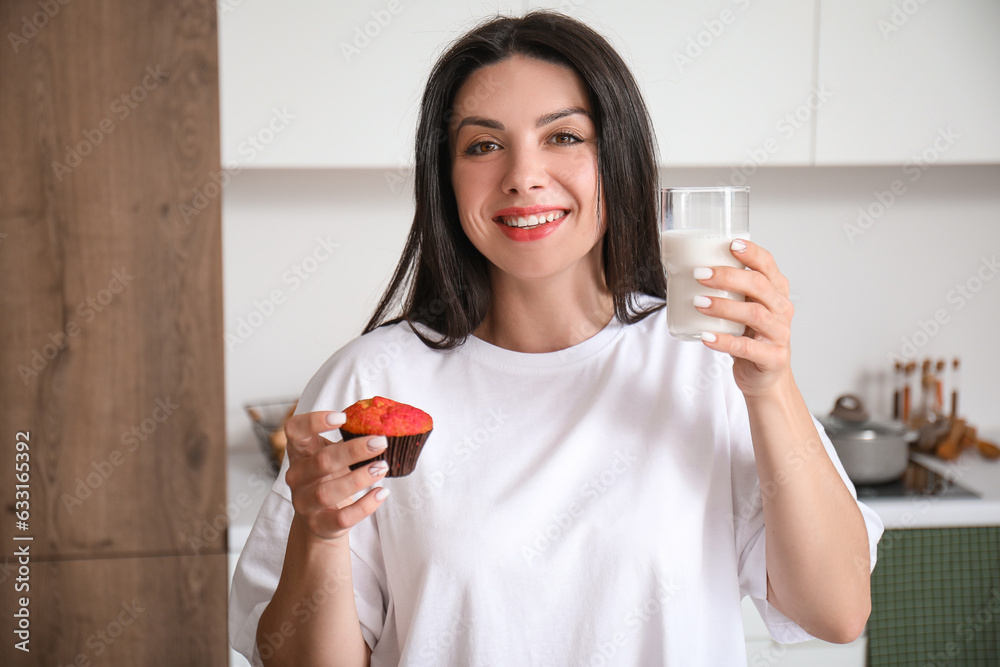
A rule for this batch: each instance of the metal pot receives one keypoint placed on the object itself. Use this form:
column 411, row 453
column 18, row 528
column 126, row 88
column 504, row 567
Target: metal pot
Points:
column 872, row 452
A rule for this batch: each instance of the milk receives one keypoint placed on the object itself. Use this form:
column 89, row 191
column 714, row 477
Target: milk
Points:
column 683, row 252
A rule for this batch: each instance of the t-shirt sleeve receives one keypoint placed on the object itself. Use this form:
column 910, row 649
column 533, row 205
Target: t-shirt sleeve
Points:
column 259, row 567
column 748, row 511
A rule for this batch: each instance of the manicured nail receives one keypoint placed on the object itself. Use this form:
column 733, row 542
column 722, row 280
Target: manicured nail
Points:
column 336, row 419
column 382, row 493
column 709, row 337
column 378, row 443
column 378, row 468
column 702, row 273
column 738, row 245
column 702, row 301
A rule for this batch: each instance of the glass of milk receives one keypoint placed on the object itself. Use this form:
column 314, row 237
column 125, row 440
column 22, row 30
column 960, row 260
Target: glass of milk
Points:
column 696, row 227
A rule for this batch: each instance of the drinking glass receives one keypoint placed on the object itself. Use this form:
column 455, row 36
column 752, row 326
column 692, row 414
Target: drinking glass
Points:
column 697, row 226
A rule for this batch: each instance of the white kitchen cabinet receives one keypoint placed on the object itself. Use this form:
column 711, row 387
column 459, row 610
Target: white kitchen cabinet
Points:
column 330, row 84
column 910, row 80
column 726, row 81
column 734, row 83
column 338, row 84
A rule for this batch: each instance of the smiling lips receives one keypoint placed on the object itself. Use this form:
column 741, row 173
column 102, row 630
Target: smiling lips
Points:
column 531, row 217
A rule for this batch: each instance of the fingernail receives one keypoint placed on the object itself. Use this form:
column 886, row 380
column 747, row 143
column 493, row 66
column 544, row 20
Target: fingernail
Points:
column 702, row 273
column 709, row 337
column 738, row 245
column 378, row 468
column 336, row 419
column 378, row 443
column 382, row 493
column 702, row 301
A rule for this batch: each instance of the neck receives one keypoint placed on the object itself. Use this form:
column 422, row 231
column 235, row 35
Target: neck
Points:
column 545, row 315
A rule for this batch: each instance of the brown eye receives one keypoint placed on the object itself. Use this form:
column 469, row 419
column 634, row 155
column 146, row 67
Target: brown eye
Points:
column 482, row 147
column 566, row 138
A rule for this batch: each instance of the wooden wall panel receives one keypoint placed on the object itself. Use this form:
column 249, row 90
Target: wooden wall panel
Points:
column 103, row 274
column 124, row 611
column 111, row 338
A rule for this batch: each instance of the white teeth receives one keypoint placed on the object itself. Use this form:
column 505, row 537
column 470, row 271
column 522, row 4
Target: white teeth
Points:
column 533, row 220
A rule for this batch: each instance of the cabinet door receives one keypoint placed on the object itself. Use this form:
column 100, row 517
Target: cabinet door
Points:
column 910, row 80
column 726, row 81
column 330, row 84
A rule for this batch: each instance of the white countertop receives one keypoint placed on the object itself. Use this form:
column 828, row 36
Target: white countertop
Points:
column 972, row 471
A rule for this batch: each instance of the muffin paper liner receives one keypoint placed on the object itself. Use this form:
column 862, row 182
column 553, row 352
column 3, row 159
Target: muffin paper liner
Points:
column 401, row 454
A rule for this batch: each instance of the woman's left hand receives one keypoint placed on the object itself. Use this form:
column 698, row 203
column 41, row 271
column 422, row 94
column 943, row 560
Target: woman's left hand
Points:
column 762, row 355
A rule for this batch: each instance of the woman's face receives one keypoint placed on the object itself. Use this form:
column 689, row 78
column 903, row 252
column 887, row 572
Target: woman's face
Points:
column 524, row 170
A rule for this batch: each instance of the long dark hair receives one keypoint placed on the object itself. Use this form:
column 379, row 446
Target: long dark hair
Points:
column 448, row 278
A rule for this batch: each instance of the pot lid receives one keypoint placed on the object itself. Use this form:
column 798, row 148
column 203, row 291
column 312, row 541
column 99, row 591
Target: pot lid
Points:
column 849, row 421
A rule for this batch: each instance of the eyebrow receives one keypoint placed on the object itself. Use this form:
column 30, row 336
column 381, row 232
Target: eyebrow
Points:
column 541, row 122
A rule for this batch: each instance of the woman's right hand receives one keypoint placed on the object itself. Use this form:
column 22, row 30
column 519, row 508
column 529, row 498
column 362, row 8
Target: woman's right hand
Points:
column 320, row 478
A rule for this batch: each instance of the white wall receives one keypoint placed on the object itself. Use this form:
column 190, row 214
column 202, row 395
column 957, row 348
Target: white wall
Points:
column 856, row 301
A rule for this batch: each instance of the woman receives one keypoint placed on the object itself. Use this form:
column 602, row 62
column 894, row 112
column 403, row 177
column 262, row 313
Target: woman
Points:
column 590, row 495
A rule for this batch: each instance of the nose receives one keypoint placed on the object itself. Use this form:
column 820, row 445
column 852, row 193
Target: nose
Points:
column 526, row 171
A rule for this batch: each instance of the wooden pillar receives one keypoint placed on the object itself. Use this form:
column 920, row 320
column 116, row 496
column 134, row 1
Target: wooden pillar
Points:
column 111, row 337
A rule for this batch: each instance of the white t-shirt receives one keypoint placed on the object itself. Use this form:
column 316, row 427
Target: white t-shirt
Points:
column 593, row 506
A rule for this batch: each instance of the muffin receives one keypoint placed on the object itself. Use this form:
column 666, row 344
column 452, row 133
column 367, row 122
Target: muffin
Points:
column 404, row 426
